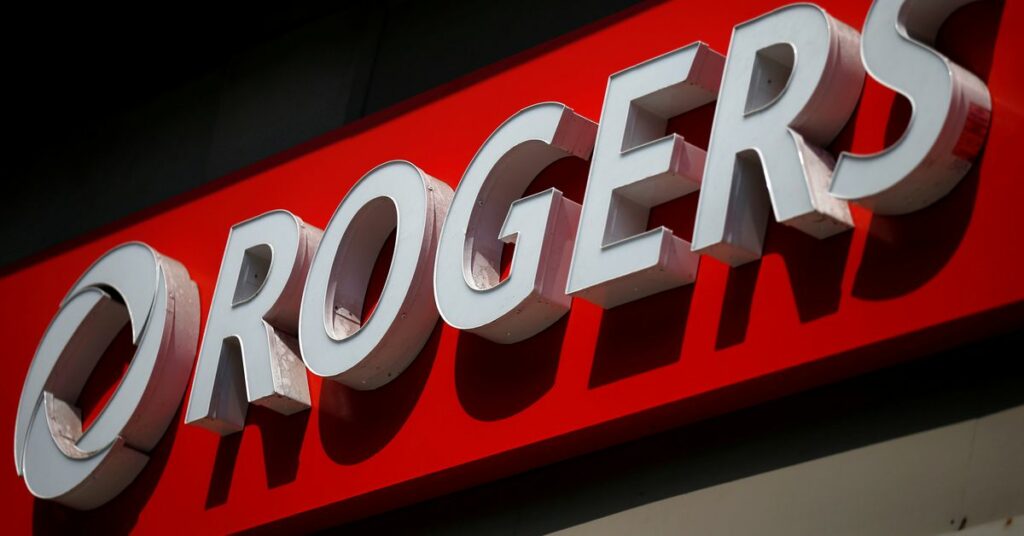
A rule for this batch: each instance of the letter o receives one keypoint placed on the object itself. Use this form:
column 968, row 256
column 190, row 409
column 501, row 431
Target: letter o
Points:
column 334, row 339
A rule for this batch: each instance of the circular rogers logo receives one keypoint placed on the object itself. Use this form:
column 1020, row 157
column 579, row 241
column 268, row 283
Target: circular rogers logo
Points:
column 130, row 284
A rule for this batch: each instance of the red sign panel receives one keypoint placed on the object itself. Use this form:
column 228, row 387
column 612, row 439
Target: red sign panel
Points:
column 468, row 410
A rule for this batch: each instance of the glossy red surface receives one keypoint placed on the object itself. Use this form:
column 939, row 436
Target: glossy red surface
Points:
column 469, row 411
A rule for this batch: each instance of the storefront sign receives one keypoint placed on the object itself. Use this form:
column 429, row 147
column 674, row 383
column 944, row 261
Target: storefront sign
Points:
column 501, row 256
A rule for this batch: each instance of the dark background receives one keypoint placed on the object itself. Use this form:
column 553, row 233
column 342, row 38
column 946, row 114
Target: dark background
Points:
column 112, row 111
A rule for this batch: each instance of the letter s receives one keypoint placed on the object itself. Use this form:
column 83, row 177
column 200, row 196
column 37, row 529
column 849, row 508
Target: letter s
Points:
column 951, row 110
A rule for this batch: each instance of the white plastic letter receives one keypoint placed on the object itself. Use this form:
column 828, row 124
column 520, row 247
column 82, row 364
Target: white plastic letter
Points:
column 635, row 167
column 792, row 80
column 83, row 469
column 487, row 210
column 249, row 353
column 950, row 112
column 336, row 341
